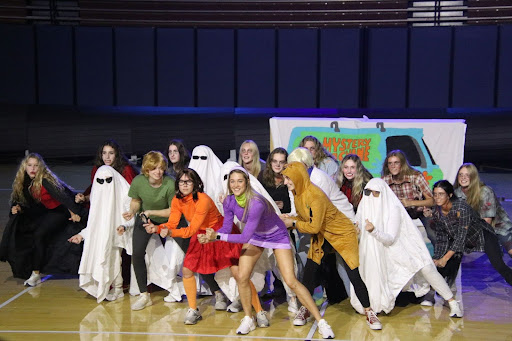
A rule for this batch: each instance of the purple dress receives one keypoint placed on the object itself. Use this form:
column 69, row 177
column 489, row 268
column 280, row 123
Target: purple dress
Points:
column 263, row 227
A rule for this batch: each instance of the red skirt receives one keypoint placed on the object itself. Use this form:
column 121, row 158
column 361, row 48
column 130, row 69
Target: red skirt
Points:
column 213, row 256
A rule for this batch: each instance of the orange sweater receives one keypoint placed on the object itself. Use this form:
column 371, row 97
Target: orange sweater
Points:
column 200, row 214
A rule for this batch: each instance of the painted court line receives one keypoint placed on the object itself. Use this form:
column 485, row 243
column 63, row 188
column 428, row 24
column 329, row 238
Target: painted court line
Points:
column 315, row 324
column 155, row 334
column 24, row 291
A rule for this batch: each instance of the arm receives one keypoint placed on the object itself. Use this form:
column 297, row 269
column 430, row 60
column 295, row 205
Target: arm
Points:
column 317, row 210
column 256, row 210
column 175, row 213
column 65, row 197
column 198, row 220
column 387, row 234
column 135, row 205
column 422, row 184
column 166, row 212
column 461, row 229
column 489, row 204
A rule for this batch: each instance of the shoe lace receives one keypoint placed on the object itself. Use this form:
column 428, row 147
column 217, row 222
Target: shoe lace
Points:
column 301, row 314
column 372, row 317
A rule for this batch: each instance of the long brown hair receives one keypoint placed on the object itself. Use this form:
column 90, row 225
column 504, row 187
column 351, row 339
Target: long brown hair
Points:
column 405, row 167
column 268, row 174
column 250, row 194
column 361, row 178
column 43, row 172
column 184, row 155
column 120, row 160
column 320, row 152
column 475, row 186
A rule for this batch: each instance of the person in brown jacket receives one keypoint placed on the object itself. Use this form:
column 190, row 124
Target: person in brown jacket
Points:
column 331, row 231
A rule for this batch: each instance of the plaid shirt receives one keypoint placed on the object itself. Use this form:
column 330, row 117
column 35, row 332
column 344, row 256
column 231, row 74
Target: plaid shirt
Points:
column 490, row 207
column 460, row 230
column 411, row 187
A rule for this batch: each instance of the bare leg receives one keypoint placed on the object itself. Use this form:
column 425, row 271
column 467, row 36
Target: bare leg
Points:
column 284, row 259
column 248, row 258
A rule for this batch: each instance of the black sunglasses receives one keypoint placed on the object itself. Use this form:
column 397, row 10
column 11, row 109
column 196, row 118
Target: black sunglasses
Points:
column 196, row 157
column 102, row 181
column 367, row 192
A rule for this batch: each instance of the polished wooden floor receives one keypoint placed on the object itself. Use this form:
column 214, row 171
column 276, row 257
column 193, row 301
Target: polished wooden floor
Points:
column 58, row 310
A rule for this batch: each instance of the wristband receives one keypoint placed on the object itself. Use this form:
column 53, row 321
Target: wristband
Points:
column 217, row 237
column 293, row 223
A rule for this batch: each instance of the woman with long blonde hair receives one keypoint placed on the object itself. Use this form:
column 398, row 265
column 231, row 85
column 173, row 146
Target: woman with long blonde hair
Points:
column 482, row 199
column 47, row 202
column 249, row 158
column 352, row 177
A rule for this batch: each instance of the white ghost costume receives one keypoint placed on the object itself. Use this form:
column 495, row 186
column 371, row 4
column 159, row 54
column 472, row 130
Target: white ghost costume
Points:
column 267, row 260
column 101, row 259
column 208, row 166
column 393, row 257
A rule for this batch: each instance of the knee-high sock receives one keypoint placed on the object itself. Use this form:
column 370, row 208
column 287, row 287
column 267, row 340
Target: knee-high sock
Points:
column 256, row 304
column 191, row 290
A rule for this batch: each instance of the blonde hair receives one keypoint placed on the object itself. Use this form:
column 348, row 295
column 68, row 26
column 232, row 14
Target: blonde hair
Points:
column 320, row 151
column 301, row 154
column 43, row 172
column 405, row 167
column 475, row 185
column 361, row 178
column 152, row 160
column 256, row 164
column 250, row 194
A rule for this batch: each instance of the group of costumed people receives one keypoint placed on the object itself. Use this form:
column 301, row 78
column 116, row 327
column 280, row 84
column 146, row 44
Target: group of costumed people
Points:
column 196, row 220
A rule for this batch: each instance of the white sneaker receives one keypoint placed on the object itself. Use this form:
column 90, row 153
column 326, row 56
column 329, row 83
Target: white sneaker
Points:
column 220, row 301
column 235, row 306
column 142, row 302
column 455, row 310
column 114, row 294
column 293, row 305
column 170, row 299
column 325, row 329
column 246, row 325
column 193, row 315
column 33, row 280
column 262, row 319
column 372, row 320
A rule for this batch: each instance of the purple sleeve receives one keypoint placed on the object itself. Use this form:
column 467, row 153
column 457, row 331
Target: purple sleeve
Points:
column 229, row 213
column 256, row 210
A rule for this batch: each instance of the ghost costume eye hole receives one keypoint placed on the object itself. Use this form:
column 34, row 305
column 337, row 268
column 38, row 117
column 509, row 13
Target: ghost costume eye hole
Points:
column 225, row 177
column 197, row 157
column 102, row 181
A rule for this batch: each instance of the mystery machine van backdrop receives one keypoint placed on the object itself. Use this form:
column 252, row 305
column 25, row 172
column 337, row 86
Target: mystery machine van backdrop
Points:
column 371, row 140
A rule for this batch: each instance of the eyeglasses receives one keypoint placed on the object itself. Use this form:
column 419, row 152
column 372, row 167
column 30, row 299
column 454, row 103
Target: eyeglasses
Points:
column 367, row 192
column 102, row 181
column 197, row 157
column 185, row 182
column 280, row 163
column 439, row 195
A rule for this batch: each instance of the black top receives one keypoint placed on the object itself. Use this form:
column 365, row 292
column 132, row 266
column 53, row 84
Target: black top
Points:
column 280, row 194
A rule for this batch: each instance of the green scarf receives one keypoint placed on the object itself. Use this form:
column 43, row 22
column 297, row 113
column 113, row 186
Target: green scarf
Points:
column 241, row 200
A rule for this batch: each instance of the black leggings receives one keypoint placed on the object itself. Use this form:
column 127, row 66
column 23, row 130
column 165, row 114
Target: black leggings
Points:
column 493, row 250
column 140, row 242
column 312, row 278
column 52, row 221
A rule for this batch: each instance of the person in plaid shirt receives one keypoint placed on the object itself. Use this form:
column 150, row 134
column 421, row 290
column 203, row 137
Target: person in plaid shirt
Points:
column 483, row 200
column 459, row 229
column 410, row 187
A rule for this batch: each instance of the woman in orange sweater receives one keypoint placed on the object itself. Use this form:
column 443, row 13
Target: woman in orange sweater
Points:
column 201, row 213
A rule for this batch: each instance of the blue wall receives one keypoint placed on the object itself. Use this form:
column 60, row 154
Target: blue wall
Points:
column 428, row 67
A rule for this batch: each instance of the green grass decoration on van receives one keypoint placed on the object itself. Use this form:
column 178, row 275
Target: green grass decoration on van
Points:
column 372, row 146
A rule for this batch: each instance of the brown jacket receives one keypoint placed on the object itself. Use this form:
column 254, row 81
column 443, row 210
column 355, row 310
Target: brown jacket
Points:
column 319, row 217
